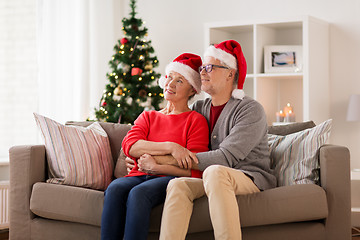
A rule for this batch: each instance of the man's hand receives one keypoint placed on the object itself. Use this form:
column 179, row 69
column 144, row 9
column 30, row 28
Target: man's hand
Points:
column 183, row 156
column 129, row 164
column 147, row 164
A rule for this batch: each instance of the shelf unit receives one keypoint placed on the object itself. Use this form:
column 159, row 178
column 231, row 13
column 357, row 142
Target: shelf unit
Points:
column 307, row 91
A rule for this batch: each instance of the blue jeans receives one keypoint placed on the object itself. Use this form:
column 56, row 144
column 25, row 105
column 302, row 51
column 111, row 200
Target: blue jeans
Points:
column 127, row 206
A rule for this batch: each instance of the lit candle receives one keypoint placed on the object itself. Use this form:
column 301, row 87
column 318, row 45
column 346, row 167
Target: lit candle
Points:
column 290, row 116
column 280, row 116
column 287, row 108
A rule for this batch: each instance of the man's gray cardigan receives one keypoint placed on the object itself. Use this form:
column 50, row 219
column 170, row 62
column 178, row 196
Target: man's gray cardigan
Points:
column 239, row 140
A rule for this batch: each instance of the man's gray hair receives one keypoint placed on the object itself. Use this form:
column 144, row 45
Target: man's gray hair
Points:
column 236, row 76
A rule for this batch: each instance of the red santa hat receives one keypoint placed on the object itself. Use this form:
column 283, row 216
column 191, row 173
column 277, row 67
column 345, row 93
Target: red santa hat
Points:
column 187, row 64
column 230, row 53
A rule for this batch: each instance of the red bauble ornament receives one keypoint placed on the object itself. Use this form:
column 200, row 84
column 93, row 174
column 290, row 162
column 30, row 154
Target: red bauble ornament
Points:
column 124, row 41
column 103, row 104
column 136, row 71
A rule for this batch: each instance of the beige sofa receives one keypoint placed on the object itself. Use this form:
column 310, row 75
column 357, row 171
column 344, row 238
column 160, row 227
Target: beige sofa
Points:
column 39, row 210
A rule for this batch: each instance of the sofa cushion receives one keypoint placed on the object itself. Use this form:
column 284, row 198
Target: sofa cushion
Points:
column 77, row 155
column 115, row 131
column 294, row 157
column 67, row 203
column 295, row 203
column 287, row 204
column 120, row 167
column 305, row 202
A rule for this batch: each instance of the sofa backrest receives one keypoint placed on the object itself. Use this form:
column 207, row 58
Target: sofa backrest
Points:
column 290, row 128
column 115, row 131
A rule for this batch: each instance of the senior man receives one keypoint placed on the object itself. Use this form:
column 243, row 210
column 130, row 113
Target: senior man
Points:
column 238, row 161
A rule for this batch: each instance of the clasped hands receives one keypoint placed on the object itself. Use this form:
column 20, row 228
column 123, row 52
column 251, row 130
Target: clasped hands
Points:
column 146, row 162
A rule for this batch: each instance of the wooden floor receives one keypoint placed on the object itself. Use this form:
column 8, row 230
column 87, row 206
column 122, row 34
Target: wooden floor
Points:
column 4, row 234
column 356, row 233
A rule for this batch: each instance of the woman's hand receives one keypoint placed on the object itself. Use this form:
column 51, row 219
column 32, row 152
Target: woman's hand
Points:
column 147, row 164
column 129, row 164
column 183, row 156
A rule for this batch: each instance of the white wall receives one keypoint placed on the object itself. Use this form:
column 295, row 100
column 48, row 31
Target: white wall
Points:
column 19, row 69
column 75, row 43
column 18, row 74
column 177, row 26
column 174, row 27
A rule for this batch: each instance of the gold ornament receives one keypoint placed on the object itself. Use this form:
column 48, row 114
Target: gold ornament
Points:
column 148, row 66
column 118, row 91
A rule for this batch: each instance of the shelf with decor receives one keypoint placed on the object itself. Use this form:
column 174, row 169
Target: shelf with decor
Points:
column 287, row 62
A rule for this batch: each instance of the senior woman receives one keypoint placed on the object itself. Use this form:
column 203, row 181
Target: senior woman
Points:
column 175, row 130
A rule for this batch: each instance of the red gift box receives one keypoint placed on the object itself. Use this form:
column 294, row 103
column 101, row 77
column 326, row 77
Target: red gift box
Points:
column 136, row 71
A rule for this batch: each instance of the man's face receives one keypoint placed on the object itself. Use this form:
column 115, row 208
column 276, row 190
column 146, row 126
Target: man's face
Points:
column 215, row 81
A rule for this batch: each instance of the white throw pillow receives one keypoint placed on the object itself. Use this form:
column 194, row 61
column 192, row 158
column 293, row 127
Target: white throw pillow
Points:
column 294, row 157
column 77, row 155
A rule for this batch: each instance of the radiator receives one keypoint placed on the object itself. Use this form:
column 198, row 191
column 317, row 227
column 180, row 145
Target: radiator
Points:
column 4, row 204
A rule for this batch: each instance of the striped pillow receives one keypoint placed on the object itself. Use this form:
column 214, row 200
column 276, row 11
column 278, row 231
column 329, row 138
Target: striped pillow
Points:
column 294, row 157
column 77, row 156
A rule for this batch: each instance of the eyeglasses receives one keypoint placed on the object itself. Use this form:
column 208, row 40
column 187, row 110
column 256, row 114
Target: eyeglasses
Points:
column 208, row 68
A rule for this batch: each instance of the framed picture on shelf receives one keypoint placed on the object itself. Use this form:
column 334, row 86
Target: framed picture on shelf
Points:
column 283, row 58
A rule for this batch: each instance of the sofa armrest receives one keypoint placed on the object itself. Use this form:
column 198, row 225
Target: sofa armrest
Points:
column 335, row 179
column 27, row 166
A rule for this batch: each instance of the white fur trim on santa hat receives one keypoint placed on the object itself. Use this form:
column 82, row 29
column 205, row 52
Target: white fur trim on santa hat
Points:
column 189, row 74
column 162, row 81
column 238, row 93
column 223, row 56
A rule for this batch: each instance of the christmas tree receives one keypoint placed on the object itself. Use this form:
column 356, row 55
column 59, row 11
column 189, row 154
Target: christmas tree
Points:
column 131, row 87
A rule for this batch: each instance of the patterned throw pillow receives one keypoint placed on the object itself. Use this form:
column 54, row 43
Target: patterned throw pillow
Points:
column 294, row 157
column 77, row 156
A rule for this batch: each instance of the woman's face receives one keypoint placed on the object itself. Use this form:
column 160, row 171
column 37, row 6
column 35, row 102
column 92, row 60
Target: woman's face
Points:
column 177, row 88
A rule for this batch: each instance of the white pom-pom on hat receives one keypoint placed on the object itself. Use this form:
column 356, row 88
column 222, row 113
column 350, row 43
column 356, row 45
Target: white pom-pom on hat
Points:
column 162, row 81
column 238, row 93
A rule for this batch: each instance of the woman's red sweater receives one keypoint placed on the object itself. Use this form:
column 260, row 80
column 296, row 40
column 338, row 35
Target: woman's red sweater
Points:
column 188, row 129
